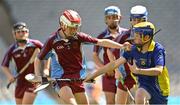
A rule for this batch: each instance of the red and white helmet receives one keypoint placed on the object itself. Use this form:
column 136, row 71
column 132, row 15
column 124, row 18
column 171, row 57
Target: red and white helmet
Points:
column 70, row 18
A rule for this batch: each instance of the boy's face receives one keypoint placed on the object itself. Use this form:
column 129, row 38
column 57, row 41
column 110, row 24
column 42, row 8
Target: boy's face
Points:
column 137, row 38
column 140, row 39
column 135, row 21
column 71, row 31
column 112, row 21
column 21, row 34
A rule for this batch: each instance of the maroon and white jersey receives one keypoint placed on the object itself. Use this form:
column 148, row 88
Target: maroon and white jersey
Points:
column 120, row 38
column 21, row 56
column 68, row 50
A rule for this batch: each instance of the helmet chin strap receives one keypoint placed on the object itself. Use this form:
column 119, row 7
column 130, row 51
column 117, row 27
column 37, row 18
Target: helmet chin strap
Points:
column 141, row 45
column 63, row 30
column 21, row 40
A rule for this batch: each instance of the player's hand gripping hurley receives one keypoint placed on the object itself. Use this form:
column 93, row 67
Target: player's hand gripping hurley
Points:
column 45, row 81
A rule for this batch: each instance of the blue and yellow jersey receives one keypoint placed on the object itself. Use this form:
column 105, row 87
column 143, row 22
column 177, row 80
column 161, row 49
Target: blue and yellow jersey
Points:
column 155, row 56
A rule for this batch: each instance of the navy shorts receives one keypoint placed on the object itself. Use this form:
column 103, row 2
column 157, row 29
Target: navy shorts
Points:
column 156, row 96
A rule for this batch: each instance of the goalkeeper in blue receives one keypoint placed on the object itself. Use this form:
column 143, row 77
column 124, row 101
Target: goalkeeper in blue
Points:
column 146, row 60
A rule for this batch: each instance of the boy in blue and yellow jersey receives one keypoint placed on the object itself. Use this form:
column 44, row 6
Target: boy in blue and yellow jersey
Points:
column 148, row 65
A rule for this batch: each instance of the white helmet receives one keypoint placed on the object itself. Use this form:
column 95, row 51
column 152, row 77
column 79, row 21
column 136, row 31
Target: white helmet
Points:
column 111, row 10
column 70, row 18
column 138, row 11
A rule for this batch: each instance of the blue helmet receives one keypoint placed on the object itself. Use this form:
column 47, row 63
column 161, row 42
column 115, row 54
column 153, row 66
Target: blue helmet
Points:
column 144, row 28
column 112, row 10
column 138, row 11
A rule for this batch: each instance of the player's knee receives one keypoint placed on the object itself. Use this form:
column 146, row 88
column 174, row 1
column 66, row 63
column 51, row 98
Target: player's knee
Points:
column 108, row 101
column 139, row 99
column 110, row 98
column 140, row 96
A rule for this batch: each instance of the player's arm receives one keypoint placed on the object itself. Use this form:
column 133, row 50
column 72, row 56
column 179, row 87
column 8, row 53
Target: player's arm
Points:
column 112, row 58
column 5, row 66
column 38, row 63
column 159, row 60
column 107, row 68
column 8, row 73
column 100, row 42
column 47, row 65
column 37, row 66
column 47, row 69
column 48, row 60
column 109, row 43
column 149, row 71
column 96, row 51
column 40, row 59
column 97, row 60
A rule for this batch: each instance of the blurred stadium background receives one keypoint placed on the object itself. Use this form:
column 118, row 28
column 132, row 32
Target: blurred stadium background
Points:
column 42, row 18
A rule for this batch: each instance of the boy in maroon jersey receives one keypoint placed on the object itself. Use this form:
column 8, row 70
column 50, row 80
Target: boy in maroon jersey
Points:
column 67, row 43
column 21, row 52
column 116, row 33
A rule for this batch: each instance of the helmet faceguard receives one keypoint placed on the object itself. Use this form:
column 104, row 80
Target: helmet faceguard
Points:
column 138, row 12
column 20, row 26
column 70, row 18
column 143, row 29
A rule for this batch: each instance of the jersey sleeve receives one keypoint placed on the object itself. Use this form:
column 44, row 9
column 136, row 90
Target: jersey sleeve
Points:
column 39, row 44
column 87, row 39
column 159, row 57
column 48, row 55
column 123, row 37
column 45, row 49
column 97, row 48
column 127, row 55
column 7, row 58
